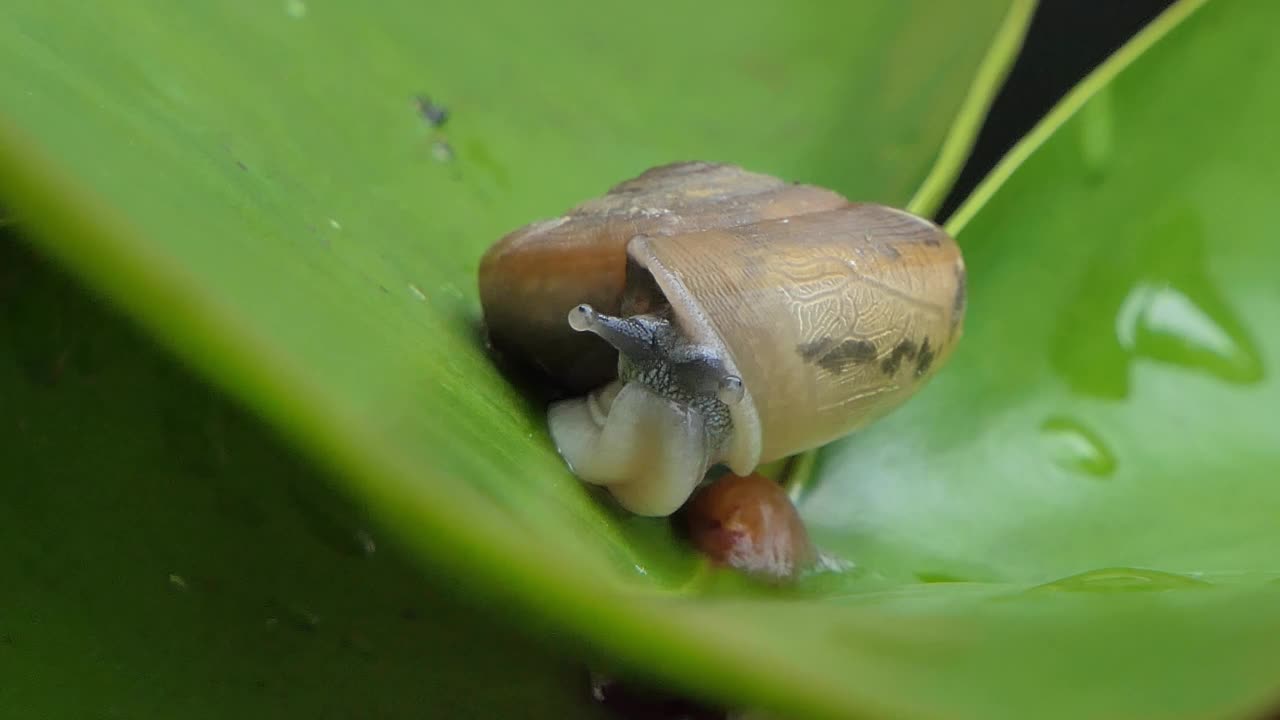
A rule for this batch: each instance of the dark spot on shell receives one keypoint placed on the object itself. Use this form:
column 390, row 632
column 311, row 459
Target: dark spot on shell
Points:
column 858, row 351
column 811, row 351
column 836, row 358
column 924, row 359
column 903, row 350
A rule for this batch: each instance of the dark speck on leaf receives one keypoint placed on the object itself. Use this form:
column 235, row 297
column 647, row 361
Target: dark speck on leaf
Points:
column 903, row 350
column 434, row 113
column 925, row 359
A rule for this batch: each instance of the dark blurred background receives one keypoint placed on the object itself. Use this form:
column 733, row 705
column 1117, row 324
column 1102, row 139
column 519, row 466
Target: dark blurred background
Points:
column 1067, row 39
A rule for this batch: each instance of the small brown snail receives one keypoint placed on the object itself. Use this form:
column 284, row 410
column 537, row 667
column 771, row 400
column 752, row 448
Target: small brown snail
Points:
column 709, row 315
column 748, row 523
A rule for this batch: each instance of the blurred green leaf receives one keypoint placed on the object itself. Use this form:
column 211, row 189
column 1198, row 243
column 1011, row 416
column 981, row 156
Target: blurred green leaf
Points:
column 164, row 558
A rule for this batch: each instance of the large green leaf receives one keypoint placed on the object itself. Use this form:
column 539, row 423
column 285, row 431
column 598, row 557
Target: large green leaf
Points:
column 1072, row 521
column 254, row 183
column 164, row 558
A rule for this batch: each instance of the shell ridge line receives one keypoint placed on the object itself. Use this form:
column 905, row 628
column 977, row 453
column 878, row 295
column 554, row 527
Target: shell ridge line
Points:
column 870, row 392
column 859, row 276
column 876, row 315
column 816, row 322
column 832, row 314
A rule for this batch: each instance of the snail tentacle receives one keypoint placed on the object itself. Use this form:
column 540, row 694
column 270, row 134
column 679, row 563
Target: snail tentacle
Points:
column 666, row 424
column 631, row 336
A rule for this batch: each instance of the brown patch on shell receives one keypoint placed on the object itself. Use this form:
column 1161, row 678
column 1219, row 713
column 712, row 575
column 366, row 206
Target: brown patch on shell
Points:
column 903, row 350
column 925, row 359
column 837, row 357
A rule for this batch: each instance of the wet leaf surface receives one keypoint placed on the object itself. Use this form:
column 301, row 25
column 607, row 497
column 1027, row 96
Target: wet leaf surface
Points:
column 1076, row 519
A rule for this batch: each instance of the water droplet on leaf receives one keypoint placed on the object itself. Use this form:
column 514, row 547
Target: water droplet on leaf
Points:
column 1121, row 579
column 1149, row 297
column 1073, row 446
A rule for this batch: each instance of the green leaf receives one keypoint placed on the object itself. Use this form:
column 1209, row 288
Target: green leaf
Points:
column 1072, row 521
column 164, row 558
column 1075, row 519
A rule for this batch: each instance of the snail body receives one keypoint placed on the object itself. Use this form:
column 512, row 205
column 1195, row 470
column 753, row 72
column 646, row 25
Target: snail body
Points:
column 708, row 315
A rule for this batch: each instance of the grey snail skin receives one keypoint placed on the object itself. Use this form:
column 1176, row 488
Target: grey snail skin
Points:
column 700, row 314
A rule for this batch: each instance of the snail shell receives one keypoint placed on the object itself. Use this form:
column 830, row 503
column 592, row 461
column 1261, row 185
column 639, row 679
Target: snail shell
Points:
column 709, row 315
column 532, row 277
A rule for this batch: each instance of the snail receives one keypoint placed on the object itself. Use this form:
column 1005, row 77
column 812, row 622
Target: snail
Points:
column 701, row 314
column 749, row 524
